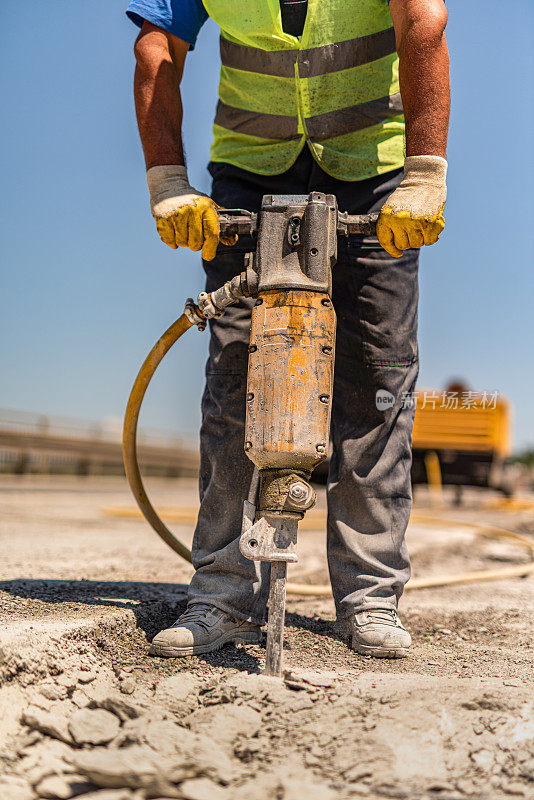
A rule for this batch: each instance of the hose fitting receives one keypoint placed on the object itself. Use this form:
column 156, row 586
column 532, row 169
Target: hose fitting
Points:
column 194, row 315
column 213, row 304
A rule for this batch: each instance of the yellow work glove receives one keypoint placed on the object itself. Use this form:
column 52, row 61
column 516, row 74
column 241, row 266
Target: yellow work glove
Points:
column 184, row 217
column 413, row 215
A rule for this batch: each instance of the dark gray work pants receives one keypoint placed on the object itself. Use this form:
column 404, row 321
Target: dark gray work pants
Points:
column 369, row 493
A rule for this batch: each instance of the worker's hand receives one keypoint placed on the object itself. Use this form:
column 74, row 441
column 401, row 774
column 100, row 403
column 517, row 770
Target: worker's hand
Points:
column 413, row 215
column 184, row 217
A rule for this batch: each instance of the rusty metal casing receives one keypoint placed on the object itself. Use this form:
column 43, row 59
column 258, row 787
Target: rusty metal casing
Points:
column 297, row 245
column 290, row 379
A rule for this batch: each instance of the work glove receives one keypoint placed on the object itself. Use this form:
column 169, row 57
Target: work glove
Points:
column 184, row 217
column 413, row 215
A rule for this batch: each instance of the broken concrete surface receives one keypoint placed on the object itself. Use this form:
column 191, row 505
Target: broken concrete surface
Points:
column 93, row 726
column 454, row 721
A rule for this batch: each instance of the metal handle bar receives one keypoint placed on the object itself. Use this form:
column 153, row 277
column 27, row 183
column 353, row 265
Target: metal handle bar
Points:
column 357, row 223
column 238, row 221
column 242, row 222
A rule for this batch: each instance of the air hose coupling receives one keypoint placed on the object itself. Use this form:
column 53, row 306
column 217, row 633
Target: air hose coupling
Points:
column 213, row 304
column 194, row 315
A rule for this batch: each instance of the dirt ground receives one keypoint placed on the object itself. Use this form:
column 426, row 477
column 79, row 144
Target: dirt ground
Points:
column 86, row 711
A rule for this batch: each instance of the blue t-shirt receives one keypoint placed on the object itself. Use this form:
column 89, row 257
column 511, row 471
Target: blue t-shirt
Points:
column 183, row 18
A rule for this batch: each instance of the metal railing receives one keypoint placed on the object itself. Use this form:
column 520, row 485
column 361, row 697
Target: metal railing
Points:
column 44, row 443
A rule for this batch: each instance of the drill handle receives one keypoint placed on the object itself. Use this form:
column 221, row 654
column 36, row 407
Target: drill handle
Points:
column 242, row 222
column 364, row 224
column 238, row 221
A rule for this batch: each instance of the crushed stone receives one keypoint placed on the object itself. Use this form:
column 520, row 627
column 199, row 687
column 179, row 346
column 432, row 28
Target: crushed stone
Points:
column 86, row 712
column 93, row 726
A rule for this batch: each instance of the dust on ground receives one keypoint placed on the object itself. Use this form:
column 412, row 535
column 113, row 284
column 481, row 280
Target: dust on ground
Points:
column 86, row 712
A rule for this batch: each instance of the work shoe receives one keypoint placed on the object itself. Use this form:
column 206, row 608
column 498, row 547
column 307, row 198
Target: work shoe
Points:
column 377, row 632
column 202, row 629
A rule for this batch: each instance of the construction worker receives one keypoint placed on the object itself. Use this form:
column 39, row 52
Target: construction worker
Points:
column 351, row 98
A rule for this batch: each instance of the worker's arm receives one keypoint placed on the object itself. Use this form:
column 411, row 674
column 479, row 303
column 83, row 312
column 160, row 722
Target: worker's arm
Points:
column 413, row 214
column 160, row 59
column 184, row 217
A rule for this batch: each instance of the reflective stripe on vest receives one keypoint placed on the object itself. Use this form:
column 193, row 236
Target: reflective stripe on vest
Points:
column 338, row 93
column 315, row 61
column 270, row 126
column 320, row 127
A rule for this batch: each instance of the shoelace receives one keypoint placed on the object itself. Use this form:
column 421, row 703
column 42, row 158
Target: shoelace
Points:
column 196, row 613
column 389, row 616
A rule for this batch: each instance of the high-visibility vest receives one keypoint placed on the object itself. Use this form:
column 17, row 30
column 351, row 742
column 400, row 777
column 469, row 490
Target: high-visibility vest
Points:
column 336, row 88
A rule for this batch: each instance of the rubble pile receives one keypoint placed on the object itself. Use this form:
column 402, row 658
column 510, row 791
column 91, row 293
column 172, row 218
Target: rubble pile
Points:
column 234, row 736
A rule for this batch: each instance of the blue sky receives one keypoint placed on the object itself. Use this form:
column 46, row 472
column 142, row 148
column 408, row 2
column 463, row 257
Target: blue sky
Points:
column 87, row 287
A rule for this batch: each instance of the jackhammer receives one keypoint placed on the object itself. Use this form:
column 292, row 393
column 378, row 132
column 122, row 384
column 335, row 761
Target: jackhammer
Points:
column 290, row 376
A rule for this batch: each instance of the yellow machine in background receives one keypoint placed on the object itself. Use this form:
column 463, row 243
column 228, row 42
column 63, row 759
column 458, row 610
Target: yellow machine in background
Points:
column 468, row 431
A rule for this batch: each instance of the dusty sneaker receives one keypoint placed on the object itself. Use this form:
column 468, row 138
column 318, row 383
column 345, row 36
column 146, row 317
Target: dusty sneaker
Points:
column 377, row 632
column 202, row 629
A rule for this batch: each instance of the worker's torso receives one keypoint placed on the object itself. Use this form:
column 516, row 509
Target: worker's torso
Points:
column 334, row 87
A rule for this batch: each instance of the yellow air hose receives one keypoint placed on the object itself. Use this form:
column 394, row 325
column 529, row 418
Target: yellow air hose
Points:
column 133, row 474
column 129, row 433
